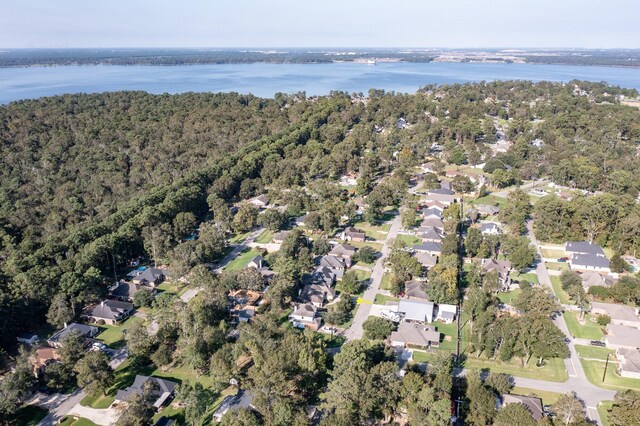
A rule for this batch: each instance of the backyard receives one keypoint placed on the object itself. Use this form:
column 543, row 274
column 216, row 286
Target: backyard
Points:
column 113, row 335
column 507, row 297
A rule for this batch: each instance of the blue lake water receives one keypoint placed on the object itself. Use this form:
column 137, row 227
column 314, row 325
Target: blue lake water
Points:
column 268, row 79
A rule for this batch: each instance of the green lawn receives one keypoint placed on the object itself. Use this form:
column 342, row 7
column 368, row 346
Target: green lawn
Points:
column 590, row 330
column 381, row 299
column 490, row 200
column 385, row 283
column 531, row 277
column 557, row 289
column 548, row 398
column 595, row 369
column 507, row 297
column 554, row 370
column 450, row 338
column 377, row 232
column 238, row 238
column 409, row 240
column 552, row 254
column 112, row 335
column 125, row 374
column 28, row 415
column 362, row 275
column 374, row 245
column 603, row 410
column 593, row 352
column 265, row 237
column 557, row 266
column 241, row 261
column 172, row 287
column 76, row 421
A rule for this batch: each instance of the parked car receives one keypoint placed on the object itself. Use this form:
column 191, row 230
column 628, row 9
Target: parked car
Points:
column 598, row 343
column 98, row 346
column 563, row 259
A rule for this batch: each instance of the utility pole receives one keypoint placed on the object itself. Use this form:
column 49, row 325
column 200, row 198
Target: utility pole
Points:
column 457, row 398
column 606, row 364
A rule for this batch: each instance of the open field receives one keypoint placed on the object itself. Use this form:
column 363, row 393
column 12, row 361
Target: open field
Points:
column 554, row 370
column 590, row 330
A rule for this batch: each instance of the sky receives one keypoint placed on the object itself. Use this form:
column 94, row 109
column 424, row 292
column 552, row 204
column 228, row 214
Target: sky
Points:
column 319, row 23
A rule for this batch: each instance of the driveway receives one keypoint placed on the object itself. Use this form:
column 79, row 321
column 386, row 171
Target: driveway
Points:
column 102, row 417
column 364, row 309
column 58, row 405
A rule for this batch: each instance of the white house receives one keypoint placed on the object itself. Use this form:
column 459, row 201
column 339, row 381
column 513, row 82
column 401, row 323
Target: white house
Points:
column 629, row 363
column 490, row 228
column 446, row 313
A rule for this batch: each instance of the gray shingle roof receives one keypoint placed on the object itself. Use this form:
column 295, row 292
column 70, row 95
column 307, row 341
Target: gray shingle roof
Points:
column 415, row 334
column 583, row 247
column 590, row 260
column 165, row 389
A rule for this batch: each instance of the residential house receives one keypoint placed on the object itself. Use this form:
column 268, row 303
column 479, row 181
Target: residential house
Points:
column 426, row 260
column 629, row 363
column 582, row 247
column 430, row 248
column 299, row 221
column 429, row 235
column 162, row 395
column 411, row 335
column 109, row 312
column 261, row 201
column 344, row 251
column 431, row 213
column 42, row 357
column 446, row 184
column 428, row 168
column 443, row 199
column 431, row 222
column 242, row 400
column 446, row 313
column 243, row 313
column 589, row 262
column 353, row 234
column 593, row 279
column 441, row 191
column 126, row 291
column 86, row 331
column 306, row 316
column 279, row 237
column 622, row 337
column 486, row 210
column 256, row 262
column 28, row 338
column 503, row 267
column 415, row 310
column 490, row 228
column 165, row 421
column 620, row 314
column 337, row 265
column 532, row 403
column 150, row 276
column 413, row 290
column 317, row 294
column 435, row 205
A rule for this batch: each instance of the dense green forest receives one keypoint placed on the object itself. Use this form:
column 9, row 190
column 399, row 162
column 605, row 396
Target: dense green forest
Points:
column 90, row 181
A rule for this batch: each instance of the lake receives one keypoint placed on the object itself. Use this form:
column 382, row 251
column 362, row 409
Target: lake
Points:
column 267, row 79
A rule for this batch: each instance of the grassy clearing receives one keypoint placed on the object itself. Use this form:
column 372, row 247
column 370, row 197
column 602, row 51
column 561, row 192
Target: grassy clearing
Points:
column 603, row 410
column 548, row 398
column 595, row 369
column 559, row 292
column 238, row 238
column 554, row 370
column 557, row 266
column 593, row 352
column 76, row 421
column 590, row 330
column 362, row 275
column 552, row 254
column 172, row 287
column 241, row 261
column 490, row 200
column 507, row 297
column 372, row 244
column 29, row 415
column 531, row 277
column 113, row 335
column 409, row 240
column 381, row 299
column 377, row 232
column 385, row 283
column 265, row 237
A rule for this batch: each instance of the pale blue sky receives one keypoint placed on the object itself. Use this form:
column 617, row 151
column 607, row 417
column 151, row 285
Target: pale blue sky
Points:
column 320, row 23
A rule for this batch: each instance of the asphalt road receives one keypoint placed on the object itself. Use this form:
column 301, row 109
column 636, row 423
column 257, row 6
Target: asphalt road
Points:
column 356, row 331
column 591, row 395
